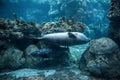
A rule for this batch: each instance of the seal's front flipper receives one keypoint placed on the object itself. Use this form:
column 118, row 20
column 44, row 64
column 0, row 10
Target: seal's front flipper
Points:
column 71, row 35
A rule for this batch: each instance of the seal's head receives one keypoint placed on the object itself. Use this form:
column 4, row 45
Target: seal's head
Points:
column 79, row 37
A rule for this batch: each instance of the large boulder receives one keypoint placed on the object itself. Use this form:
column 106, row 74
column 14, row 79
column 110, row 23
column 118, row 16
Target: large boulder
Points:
column 114, row 16
column 47, row 57
column 12, row 59
column 102, row 58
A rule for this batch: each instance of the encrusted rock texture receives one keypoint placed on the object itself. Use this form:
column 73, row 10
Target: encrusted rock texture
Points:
column 114, row 16
column 114, row 13
column 102, row 58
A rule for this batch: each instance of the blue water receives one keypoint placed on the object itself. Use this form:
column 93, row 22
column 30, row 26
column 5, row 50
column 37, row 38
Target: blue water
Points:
column 91, row 12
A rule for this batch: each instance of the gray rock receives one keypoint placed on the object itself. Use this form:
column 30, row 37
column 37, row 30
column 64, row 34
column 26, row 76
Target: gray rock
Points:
column 114, row 17
column 102, row 58
column 30, row 49
column 12, row 58
column 31, row 61
column 114, row 13
column 48, row 58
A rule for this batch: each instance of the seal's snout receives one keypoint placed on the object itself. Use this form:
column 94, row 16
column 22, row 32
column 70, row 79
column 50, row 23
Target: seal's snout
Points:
column 87, row 40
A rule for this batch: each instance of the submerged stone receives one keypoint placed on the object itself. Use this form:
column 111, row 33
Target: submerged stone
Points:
column 101, row 58
column 12, row 58
column 31, row 48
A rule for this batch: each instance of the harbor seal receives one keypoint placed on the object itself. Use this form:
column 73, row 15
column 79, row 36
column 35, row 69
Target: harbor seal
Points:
column 64, row 38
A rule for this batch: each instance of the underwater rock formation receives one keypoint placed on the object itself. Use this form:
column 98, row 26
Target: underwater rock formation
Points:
column 17, row 45
column 18, row 32
column 48, row 58
column 114, row 16
column 114, row 13
column 62, row 25
column 12, row 58
column 102, row 58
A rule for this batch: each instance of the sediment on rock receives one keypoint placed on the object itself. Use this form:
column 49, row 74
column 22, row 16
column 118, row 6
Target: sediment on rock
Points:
column 101, row 58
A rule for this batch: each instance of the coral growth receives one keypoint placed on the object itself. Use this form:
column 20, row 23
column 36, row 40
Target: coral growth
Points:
column 62, row 25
